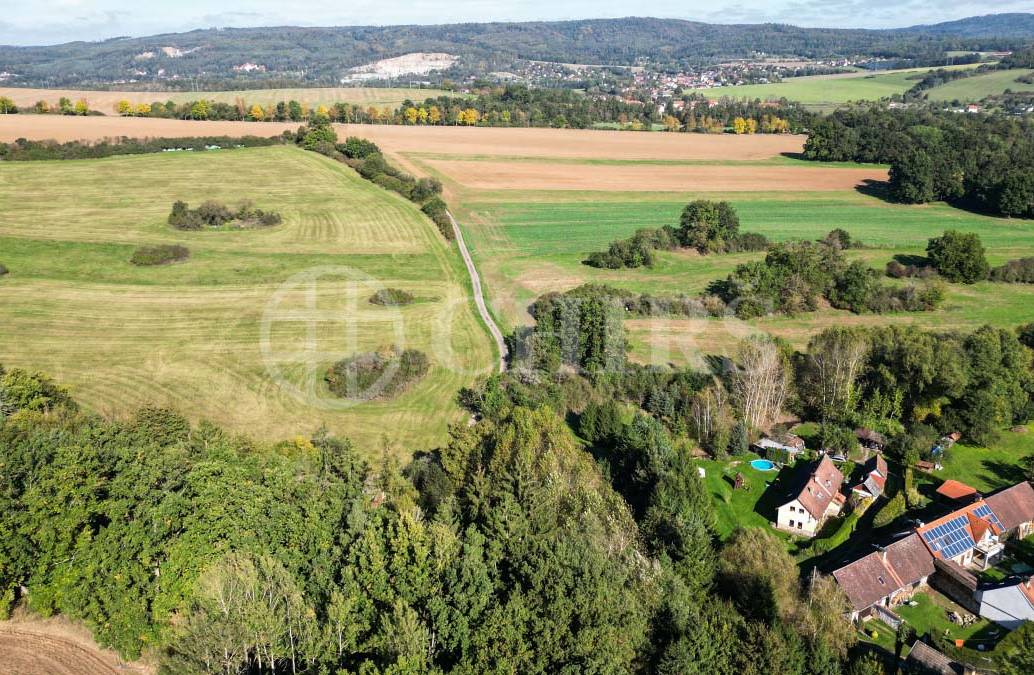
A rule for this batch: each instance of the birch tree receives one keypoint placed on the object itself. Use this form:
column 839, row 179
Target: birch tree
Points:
column 761, row 382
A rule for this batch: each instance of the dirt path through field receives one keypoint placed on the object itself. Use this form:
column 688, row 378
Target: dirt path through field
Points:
column 33, row 646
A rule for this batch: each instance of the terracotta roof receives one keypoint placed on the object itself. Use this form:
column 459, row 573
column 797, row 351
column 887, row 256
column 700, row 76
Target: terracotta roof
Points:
column 820, row 487
column 976, row 525
column 953, row 489
column 877, row 575
column 875, row 478
column 1013, row 505
column 925, row 659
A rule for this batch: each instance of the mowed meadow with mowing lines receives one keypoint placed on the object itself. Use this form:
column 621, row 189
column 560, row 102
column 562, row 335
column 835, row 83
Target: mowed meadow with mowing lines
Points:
column 530, row 241
column 242, row 332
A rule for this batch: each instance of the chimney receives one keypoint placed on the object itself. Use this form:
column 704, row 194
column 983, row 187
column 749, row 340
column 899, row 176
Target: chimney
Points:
column 882, row 550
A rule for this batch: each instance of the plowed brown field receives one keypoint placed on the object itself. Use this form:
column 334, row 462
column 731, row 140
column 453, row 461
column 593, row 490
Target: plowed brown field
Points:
column 488, row 175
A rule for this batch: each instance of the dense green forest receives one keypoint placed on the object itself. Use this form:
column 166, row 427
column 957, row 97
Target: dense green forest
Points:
column 979, row 161
column 321, row 55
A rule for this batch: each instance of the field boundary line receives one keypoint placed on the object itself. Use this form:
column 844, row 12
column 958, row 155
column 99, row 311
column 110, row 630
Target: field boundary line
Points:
column 479, row 296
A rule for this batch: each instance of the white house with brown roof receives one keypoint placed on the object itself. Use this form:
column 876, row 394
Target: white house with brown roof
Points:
column 816, row 499
column 874, row 479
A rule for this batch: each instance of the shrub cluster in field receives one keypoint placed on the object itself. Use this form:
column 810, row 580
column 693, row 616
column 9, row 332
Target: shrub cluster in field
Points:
column 794, row 275
column 365, row 157
column 377, row 374
column 213, row 214
column 159, row 255
column 1015, row 272
column 707, row 226
column 25, row 150
column 3, row 270
column 392, row 297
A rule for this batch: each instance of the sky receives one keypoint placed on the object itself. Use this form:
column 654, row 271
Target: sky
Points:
column 28, row 22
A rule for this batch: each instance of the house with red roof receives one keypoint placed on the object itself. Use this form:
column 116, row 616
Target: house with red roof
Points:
column 968, row 537
column 874, row 479
column 815, row 498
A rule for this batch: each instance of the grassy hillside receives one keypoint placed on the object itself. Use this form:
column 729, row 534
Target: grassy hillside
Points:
column 980, row 86
column 242, row 332
column 826, row 90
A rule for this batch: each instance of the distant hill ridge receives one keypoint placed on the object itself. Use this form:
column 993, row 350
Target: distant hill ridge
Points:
column 322, row 55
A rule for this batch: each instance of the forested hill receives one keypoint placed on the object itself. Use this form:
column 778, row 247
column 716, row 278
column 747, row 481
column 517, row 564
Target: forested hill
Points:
column 322, row 55
column 1014, row 25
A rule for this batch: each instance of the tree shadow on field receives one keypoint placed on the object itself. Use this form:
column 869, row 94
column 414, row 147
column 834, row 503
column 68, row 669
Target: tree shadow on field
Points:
column 792, row 155
column 912, row 260
column 878, row 189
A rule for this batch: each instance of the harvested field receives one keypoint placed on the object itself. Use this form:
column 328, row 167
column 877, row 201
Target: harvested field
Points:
column 483, row 175
column 254, row 317
column 105, row 101
column 567, row 143
column 574, row 143
column 30, row 646
column 70, row 128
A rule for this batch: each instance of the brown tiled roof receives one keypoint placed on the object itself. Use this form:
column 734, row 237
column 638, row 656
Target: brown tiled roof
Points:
column 923, row 658
column 953, row 489
column 819, row 487
column 911, row 559
column 1013, row 505
column 866, row 580
column 879, row 574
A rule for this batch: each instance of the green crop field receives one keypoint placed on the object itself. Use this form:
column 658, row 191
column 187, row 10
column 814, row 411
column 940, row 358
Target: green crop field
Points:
column 529, row 242
column 980, row 86
column 242, row 332
column 826, row 90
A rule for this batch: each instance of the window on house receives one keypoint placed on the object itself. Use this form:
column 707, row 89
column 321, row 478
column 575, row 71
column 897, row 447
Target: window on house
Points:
column 798, row 525
column 882, row 582
column 791, row 523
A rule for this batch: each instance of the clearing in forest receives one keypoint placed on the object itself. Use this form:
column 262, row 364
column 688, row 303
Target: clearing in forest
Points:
column 241, row 333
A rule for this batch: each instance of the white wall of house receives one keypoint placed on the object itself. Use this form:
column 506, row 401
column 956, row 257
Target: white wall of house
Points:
column 793, row 517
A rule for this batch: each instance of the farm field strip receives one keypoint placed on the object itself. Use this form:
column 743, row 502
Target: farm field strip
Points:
column 827, row 90
column 231, row 321
column 485, row 175
column 980, row 86
column 105, row 101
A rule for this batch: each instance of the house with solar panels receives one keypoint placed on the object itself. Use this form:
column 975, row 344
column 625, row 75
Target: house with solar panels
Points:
column 969, row 536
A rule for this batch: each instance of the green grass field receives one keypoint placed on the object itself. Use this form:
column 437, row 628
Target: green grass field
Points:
column 826, row 90
column 980, row 86
column 528, row 244
column 241, row 333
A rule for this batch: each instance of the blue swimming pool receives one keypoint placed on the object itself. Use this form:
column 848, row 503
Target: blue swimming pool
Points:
column 762, row 464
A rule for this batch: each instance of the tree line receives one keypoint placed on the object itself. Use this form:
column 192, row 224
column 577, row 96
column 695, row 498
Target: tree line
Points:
column 984, row 162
